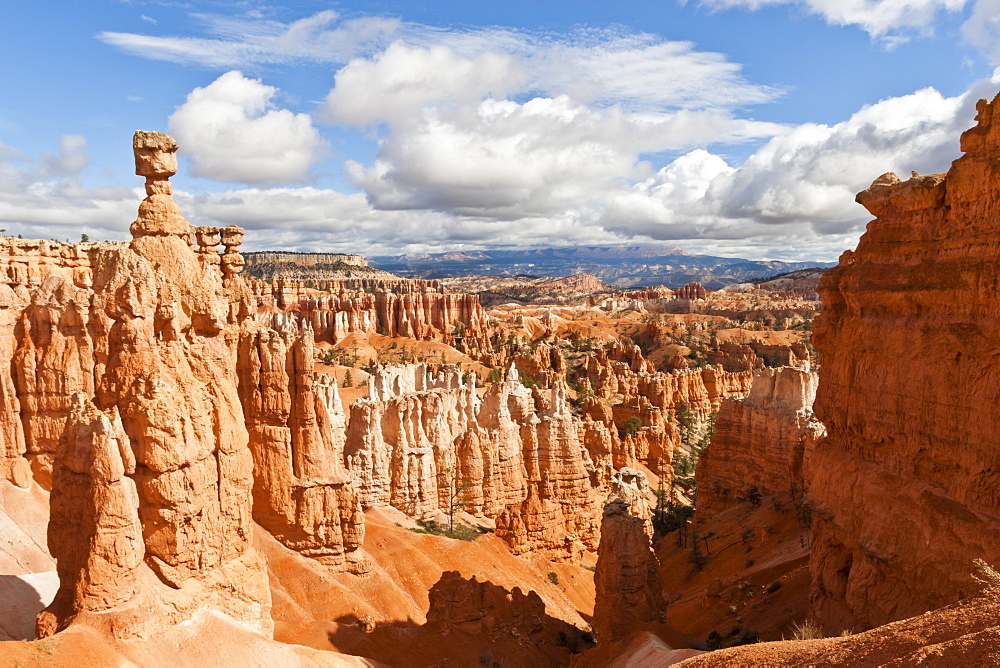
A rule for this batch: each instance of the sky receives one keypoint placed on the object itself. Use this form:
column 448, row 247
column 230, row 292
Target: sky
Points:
column 740, row 128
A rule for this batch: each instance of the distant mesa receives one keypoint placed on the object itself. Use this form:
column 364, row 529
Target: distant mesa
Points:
column 269, row 265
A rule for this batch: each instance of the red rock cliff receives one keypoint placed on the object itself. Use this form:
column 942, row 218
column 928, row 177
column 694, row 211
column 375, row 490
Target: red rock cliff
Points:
column 905, row 487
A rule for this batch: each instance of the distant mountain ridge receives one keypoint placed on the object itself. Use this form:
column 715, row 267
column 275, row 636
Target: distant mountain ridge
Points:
column 622, row 266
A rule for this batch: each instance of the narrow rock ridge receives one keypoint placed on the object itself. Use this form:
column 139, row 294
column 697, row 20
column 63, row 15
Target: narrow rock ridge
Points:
column 763, row 440
column 905, row 485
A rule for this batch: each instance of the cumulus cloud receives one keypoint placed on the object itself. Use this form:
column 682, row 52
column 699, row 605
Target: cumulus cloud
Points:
column 498, row 137
column 232, row 133
column 525, row 128
column 879, row 18
column 801, row 183
column 510, row 160
column 792, row 199
column 403, row 79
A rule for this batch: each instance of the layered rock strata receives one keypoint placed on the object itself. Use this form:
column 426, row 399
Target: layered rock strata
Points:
column 905, row 485
column 762, row 441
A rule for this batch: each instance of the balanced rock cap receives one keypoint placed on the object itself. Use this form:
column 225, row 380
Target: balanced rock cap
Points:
column 155, row 154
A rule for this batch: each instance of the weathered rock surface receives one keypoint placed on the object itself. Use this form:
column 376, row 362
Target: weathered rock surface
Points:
column 423, row 439
column 905, row 485
column 152, row 464
column 302, row 492
column 961, row 634
column 762, row 440
column 393, row 308
column 627, row 581
column 94, row 530
column 700, row 390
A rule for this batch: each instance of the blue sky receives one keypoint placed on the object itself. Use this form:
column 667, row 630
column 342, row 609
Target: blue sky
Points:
column 734, row 127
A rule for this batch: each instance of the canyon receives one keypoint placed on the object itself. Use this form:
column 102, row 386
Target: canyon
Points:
column 326, row 469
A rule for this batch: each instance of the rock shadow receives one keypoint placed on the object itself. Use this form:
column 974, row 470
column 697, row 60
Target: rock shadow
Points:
column 19, row 604
column 469, row 623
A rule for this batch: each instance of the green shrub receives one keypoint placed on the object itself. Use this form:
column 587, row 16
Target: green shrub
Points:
column 459, row 532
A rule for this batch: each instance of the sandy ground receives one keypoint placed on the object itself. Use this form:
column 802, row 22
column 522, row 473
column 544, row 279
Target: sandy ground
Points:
column 318, row 609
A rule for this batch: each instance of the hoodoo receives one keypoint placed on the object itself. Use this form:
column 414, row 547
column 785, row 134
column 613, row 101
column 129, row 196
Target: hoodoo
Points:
column 169, row 527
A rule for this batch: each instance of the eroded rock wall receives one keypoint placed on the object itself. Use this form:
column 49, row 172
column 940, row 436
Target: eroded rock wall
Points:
column 410, row 309
column 423, row 440
column 700, row 390
column 905, row 486
column 302, row 493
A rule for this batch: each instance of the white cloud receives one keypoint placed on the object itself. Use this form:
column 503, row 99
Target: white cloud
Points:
column 641, row 72
column 403, row 79
column 544, row 156
column 792, row 199
column 72, row 156
column 982, row 29
column 326, row 220
column 241, row 42
column 491, row 136
column 232, row 133
column 879, row 18
column 38, row 198
column 602, row 66
column 526, row 127
column 800, row 184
